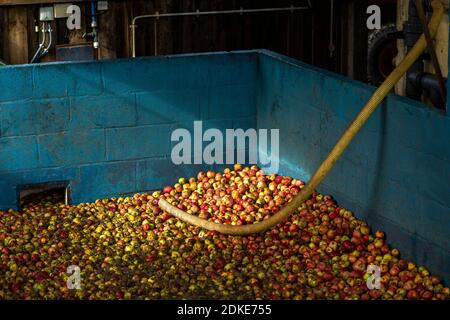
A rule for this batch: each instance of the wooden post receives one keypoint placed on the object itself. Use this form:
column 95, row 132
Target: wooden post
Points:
column 165, row 29
column 4, row 52
column 17, row 35
column 360, row 36
column 126, row 51
column 107, row 25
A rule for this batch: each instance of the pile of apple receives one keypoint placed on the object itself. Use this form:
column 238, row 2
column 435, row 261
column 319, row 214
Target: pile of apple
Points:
column 128, row 248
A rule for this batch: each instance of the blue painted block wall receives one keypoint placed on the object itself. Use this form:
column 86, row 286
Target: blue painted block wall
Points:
column 395, row 174
column 105, row 127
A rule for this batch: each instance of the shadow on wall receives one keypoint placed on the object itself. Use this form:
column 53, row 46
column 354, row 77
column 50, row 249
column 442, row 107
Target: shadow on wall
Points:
column 394, row 174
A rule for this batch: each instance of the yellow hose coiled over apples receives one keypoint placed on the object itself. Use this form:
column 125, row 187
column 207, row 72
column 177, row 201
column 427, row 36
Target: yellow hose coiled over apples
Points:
column 333, row 156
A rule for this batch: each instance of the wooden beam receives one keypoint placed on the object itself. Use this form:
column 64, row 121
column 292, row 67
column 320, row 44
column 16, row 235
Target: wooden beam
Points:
column 17, row 35
column 32, row 2
column 4, row 45
column 108, row 33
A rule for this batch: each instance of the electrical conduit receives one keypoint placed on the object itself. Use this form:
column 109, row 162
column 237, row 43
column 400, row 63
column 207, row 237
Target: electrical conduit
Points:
column 333, row 156
column 41, row 45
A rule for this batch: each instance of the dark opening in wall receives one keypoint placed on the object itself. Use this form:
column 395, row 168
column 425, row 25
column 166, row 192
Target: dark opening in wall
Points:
column 58, row 191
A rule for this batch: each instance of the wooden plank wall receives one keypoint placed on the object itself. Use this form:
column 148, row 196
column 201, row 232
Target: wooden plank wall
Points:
column 303, row 34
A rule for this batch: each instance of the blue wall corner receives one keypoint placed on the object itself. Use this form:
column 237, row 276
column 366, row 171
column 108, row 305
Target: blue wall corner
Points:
column 394, row 174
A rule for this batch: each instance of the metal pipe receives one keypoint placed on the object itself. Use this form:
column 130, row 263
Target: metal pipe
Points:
column 66, row 196
column 429, row 83
column 94, row 25
column 93, row 17
column 41, row 45
column 202, row 13
column 50, row 41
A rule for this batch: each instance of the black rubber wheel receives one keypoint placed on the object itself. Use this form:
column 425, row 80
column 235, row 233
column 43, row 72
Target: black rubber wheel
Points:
column 382, row 51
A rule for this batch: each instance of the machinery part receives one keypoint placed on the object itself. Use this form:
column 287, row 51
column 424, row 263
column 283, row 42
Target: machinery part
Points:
column 332, row 157
column 331, row 46
column 432, row 52
column 413, row 29
column 382, row 50
column 94, row 25
column 430, row 84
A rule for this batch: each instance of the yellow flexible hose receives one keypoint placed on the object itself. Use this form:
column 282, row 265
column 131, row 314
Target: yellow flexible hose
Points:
column 333, row 156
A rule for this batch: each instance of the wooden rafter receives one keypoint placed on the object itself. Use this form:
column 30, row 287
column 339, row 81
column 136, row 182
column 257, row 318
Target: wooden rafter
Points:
column 32, row 2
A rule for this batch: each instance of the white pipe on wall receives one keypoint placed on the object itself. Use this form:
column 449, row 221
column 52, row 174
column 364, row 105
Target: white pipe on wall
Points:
column 158, row 15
